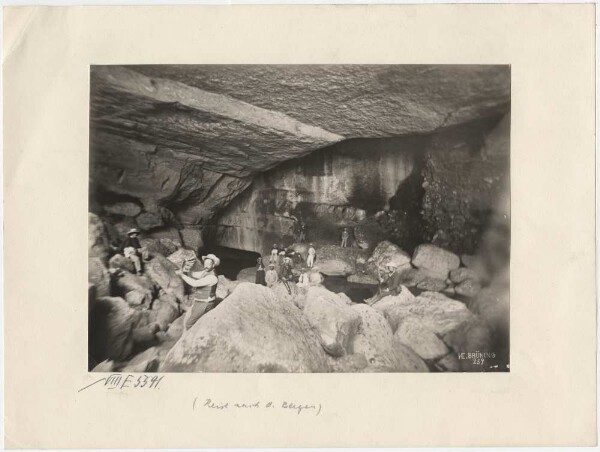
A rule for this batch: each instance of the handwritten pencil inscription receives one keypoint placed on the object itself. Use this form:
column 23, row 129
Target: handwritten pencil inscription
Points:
column 298, row 408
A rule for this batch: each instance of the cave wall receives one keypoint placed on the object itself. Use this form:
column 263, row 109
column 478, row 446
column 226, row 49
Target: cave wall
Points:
column 334, row 187
column 464, row 174
column 437, row 188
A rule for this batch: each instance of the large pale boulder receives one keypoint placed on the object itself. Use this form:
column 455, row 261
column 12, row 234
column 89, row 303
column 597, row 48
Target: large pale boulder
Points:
column 162, row 271
column 387, row 253
column 435, row 311
column 192, row 238
column 394, row 308
column 333, row 260
column 99, row 277
column 374, row 339
column 436, row 260
column 98, row 243
column 249, row 331
column 333, row 318
column 421, row 339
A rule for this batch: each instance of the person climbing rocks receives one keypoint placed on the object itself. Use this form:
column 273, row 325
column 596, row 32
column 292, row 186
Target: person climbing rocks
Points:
column 204, row 289
column 303, row 280
column 389, row 284
column 132, row 249
column 274, row 254
column 312, row 256
column 302, row 236
column 271, row 276
column 345, row 236
column 287, row 276
column 260, row 272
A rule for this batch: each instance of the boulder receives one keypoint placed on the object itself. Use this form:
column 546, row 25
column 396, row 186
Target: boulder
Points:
column 105, row 366
column 334, row 267
column 249, row 331
column 362, row 278
column 374, row 338
column 183, row 255
column 432, row 284
column 461, row 274
column 355, row 362
column 408, row 360
column 121, row 262
column 149, row 220
column 386, row 252
column 127, row 209
column 176, row 328
column 128, row 282
column 164, row 246
column 411, row 277
column 192, row 238
column 162, row 271
column 436, row 260
column 420, row 339
column 247, row 275
column 282, row 293
column 361, row 238
column 468, row 288
column 111, row 329
column 333, row 318
column 473, row 340
column 394, row 308
column 98, row 243
column 469, row 260
column 98, row 276
column 435, row 311
column 225, row 286
column 448, row 363
column 164, row 312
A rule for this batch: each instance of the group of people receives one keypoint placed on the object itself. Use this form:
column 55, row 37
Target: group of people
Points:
column 203, row 284
column 280, row 267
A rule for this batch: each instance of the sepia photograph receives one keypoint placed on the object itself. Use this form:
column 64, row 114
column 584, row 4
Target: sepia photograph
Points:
column 299, row 218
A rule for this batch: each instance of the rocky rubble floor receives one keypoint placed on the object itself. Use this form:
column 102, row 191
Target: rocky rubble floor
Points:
column 136, row 322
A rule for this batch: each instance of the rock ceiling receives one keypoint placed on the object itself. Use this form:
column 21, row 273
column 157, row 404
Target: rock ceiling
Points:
column 227, row 122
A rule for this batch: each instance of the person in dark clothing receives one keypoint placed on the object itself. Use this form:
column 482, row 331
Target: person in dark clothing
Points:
column 132, row 249
column 388, row 285
column 260, row 272
column 287, row 275
column 302, row 228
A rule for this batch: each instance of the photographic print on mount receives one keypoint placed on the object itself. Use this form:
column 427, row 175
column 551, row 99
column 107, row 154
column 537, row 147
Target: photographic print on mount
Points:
column 299, row 218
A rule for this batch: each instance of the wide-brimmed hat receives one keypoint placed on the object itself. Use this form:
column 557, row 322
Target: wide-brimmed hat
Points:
column 271, row 265
column 133, row 231
column 212, row 257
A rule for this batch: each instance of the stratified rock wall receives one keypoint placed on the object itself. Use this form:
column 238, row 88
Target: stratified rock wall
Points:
column 335, row 187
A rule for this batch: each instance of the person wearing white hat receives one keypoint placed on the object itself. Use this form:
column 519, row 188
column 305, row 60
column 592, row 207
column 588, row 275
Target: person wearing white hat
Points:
column 132, row 249
column 204, row 289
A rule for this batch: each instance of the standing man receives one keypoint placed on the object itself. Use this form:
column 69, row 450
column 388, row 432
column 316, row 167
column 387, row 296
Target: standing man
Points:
column 312, row 255
column 204, row 289
column 345, row 236
column 132, row 249
column 274, row 254
column 271, row 276
column 302, row 237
